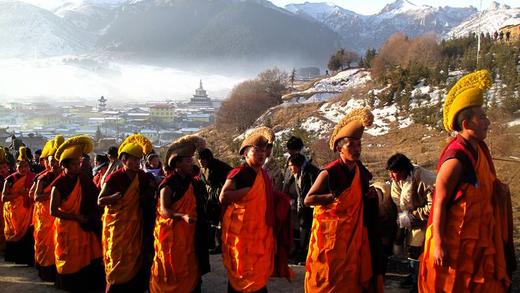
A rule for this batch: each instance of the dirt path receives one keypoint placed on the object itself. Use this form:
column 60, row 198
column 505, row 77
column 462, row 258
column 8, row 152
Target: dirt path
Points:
column 18, row 279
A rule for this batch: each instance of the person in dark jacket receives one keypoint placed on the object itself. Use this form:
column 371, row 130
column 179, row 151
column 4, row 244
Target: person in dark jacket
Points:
column 304, row 174
column 214, row 173
column 37, row 165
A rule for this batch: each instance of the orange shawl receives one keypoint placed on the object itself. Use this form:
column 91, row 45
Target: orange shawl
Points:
column 122, row 236
column 75, row 248
column 339, row 253
column 175, row 266
column 247, row 240
column 44, row 231
column 18, row 212
column 474, row 241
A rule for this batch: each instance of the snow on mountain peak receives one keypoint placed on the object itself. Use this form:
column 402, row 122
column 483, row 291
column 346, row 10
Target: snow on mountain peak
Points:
column 321, row 11
column 497, row 6
column 313, row 9
column 27, row 30
column 488, row 21
column 402, row 7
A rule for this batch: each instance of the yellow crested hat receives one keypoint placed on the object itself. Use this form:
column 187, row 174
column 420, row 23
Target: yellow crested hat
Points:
column 3, row 158
column 46, row 149
column 185, row 147
column 22, row 154
column 56, row 143
column 51, row 146
column 136, row 145
column 467, row 92
column 352, row 125
column 74, row 148
column 257, row 136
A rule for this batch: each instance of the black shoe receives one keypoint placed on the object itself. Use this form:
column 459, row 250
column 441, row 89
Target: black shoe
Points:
column 407, row 283
column 217, row 250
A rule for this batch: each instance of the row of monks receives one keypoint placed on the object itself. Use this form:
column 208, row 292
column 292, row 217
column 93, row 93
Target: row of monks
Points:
column 134, row 235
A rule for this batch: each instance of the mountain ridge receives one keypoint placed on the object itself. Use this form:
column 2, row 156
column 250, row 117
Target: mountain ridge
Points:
column 203, row 29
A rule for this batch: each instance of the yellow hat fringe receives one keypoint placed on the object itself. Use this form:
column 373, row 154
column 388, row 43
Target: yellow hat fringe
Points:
column 362, row 114
column 479, row 79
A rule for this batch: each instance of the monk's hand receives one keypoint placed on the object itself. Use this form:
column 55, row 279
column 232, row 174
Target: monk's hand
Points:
column 189, row 219
column 330, row 198
column 404, row 220
column 440, row 257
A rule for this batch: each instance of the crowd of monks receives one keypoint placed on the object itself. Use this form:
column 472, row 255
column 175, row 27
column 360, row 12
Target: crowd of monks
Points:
column 130, row 230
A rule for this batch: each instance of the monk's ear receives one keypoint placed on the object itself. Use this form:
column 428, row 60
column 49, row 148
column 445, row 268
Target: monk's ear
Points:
column 339, row 146
column 466, row 124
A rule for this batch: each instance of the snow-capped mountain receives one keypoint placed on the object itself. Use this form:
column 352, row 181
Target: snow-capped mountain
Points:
column 361, row 32
column 489, row 21
column 319, row 11
column 27, row 30
column 92, row 16
column 333, row 16
column 181, row 29
column 226, row 27
column 217, row 29
column 403, row 7
column 414, row 20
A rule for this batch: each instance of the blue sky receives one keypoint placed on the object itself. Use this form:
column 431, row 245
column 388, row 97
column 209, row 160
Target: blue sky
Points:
column 363, row 7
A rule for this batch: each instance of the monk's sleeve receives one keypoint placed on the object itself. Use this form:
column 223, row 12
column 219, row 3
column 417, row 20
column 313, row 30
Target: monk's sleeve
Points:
column 242, row 176
column 202, row 230
column 284, row 236
column 147, row 187
column 371, row 209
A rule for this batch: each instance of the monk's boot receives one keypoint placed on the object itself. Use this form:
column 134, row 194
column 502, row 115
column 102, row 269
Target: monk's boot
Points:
column 407, row 283
column 411, row 281
column 216, row 250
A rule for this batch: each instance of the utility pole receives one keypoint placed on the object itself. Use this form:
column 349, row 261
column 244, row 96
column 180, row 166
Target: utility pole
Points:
column 478, row 33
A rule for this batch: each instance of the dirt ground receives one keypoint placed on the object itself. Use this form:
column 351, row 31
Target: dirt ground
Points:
column 19, row 279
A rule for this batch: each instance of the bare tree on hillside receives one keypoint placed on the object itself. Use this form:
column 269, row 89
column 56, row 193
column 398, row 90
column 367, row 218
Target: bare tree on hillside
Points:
column 424, row 50
column 274, row 82
column 250, row 99
column 392, row 54
column 342, row 59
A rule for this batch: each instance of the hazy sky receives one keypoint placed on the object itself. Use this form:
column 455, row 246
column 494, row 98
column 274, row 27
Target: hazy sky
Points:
column 364, row 7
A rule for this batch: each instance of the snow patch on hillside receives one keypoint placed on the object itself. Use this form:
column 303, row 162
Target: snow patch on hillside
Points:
column 334, row 112
column 316, row 125
column 330, row 87
column 514, row 123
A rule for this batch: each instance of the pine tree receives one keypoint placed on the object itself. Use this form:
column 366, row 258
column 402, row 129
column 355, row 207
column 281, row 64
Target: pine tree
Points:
column 370, row 54
column 293, row 77
column 98, row 135
column 334, row 63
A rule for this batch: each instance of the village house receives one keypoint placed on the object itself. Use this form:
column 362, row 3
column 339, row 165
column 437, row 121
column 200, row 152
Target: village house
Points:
column 513, row 29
